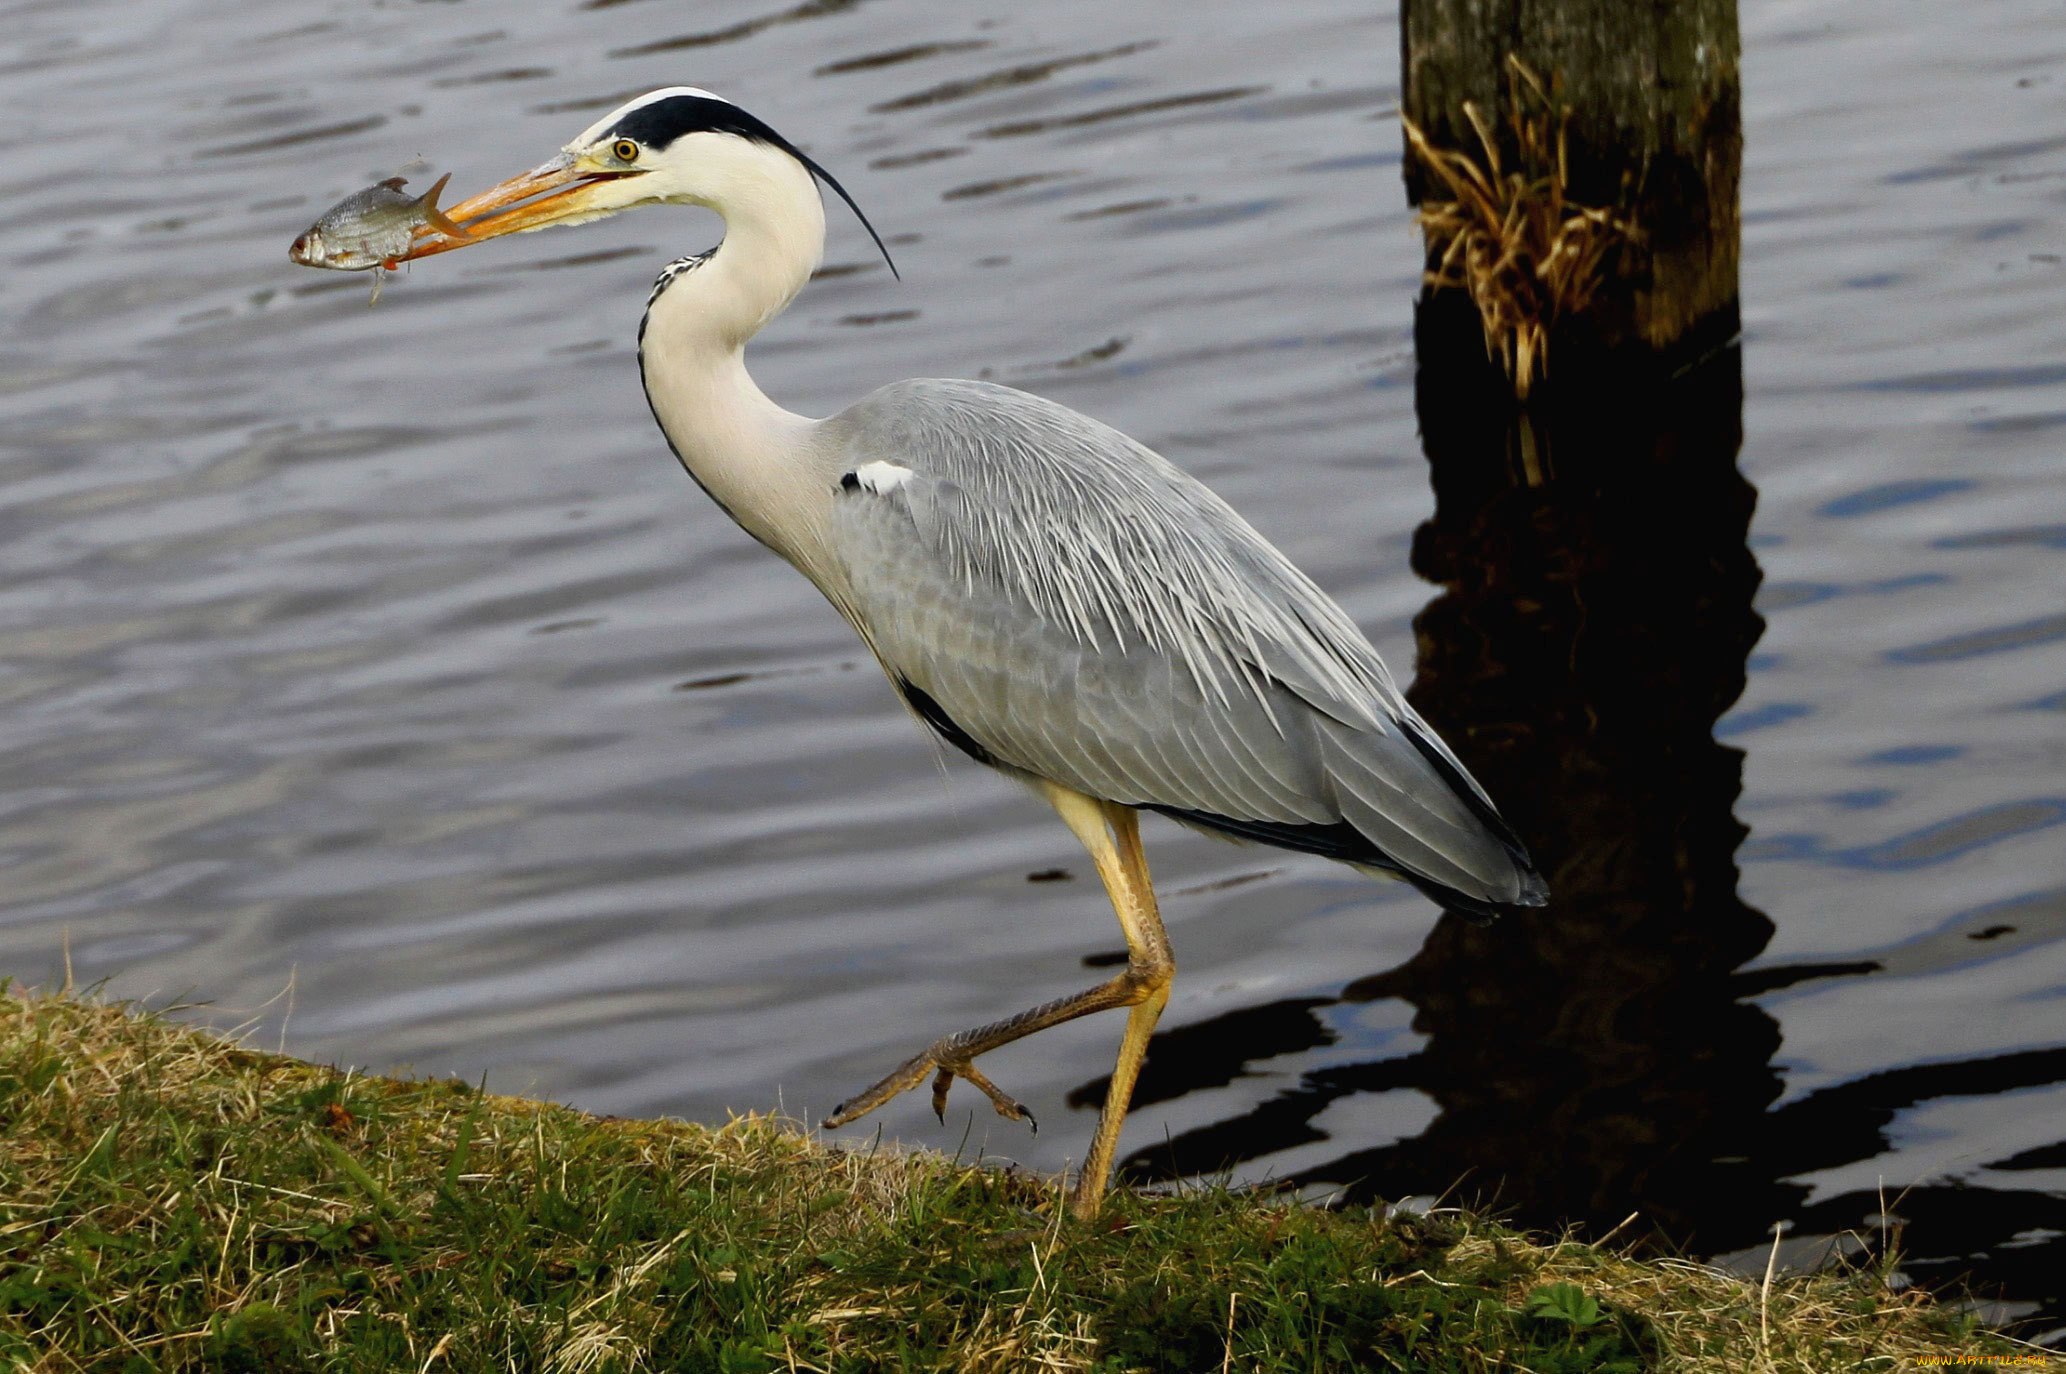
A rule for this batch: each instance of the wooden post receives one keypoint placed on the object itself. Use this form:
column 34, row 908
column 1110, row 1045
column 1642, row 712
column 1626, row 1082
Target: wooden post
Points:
column 1646, row 97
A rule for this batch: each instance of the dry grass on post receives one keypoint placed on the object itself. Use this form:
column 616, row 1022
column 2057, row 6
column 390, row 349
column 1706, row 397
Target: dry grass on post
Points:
column 1511, row 236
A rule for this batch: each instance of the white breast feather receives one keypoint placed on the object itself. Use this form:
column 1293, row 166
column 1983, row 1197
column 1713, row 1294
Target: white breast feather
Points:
column 881, row 478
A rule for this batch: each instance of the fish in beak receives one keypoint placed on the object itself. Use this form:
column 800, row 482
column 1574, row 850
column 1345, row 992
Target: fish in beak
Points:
column 562, row 191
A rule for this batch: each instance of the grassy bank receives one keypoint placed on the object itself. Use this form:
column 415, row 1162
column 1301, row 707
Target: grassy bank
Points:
column 169, row 1200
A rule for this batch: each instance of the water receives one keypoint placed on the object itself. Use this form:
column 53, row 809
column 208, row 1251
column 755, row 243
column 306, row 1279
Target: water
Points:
column 375, row 675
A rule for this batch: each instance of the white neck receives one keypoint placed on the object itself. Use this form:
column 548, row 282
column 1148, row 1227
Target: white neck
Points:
column 750, row 454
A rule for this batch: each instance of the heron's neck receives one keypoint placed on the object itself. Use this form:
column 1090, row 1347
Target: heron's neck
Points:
column 750, row 454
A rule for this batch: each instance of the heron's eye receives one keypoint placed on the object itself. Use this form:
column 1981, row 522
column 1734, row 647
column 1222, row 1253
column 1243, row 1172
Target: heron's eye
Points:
column 624, row 150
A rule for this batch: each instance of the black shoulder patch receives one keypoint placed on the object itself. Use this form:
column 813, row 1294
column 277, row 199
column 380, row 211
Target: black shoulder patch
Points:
column 943, row 724
column 1337, row 841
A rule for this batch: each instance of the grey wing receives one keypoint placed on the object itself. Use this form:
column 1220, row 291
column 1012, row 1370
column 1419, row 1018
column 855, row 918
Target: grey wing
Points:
column 1060, row 602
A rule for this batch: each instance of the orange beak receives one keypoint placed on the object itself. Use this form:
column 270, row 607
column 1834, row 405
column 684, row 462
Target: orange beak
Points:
column 529, row 200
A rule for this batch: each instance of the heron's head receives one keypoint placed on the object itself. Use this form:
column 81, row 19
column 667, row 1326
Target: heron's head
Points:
column 679, row 146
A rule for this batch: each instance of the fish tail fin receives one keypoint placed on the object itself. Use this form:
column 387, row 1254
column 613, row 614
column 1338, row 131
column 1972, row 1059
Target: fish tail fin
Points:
column 439, row 220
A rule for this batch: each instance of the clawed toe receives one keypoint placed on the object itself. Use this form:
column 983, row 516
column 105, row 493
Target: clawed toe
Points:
column 944, row 1071
column 906, row 1075
column 1008, row 1107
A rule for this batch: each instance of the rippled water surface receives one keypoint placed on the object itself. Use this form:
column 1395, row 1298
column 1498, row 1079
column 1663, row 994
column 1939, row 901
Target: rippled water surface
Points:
column 384, row 655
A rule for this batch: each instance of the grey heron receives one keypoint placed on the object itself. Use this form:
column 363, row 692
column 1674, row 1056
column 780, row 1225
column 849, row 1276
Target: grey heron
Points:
column 1048, row 596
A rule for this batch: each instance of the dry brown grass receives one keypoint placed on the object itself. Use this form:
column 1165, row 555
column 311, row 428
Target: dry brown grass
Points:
column 1510, row 235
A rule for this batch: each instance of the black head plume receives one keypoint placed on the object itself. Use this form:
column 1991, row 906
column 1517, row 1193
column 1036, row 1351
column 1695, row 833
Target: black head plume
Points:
column 660, row 121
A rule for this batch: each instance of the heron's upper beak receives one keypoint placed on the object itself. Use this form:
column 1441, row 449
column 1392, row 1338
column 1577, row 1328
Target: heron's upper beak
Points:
column 562, row 189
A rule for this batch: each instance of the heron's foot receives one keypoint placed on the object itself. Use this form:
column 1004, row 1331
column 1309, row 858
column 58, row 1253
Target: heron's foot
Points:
column 945, row 1061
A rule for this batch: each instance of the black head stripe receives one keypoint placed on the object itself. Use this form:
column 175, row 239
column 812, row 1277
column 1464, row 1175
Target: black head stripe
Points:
column 659, row 124
column 663, row 121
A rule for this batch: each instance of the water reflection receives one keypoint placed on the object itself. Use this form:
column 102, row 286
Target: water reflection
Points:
column 1601, row 1057
column 1594, row 623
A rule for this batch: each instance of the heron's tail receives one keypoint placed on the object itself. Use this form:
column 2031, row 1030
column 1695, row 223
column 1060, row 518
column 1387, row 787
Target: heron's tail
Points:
column 1404, row 807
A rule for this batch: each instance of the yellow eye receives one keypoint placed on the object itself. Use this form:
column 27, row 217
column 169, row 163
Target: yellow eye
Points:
column 624, row 150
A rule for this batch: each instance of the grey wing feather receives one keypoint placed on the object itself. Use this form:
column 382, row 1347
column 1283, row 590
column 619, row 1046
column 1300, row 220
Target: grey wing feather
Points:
column 1064, row 603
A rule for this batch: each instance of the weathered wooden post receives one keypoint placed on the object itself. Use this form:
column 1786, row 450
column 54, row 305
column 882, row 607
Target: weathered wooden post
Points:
column 1597, row 129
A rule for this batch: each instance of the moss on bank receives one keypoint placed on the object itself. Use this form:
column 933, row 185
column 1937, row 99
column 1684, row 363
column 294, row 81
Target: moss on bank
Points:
column 169, row 1200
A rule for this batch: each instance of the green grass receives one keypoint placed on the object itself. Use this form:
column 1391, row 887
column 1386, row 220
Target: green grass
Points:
column 169, row 1200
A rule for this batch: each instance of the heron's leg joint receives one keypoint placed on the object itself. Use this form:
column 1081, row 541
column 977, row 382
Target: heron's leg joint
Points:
column 1149, row 971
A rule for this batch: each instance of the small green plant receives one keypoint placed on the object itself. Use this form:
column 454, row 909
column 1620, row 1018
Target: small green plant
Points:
column 1596, row 1339
column 1564, row 1302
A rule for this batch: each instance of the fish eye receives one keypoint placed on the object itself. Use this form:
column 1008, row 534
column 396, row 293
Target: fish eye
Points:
column 624, row 150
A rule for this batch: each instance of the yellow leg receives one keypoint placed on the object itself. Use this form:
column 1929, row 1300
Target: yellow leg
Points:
column 1111, row 833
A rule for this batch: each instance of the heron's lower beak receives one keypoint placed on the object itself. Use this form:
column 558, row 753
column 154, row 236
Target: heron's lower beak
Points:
column 558, row 190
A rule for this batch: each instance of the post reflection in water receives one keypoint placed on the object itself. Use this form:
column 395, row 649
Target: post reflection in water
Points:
column 1599, row 1057
column 1592, row 1058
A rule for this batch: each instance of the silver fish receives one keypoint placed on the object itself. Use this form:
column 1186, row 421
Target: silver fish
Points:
column 371, row 228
